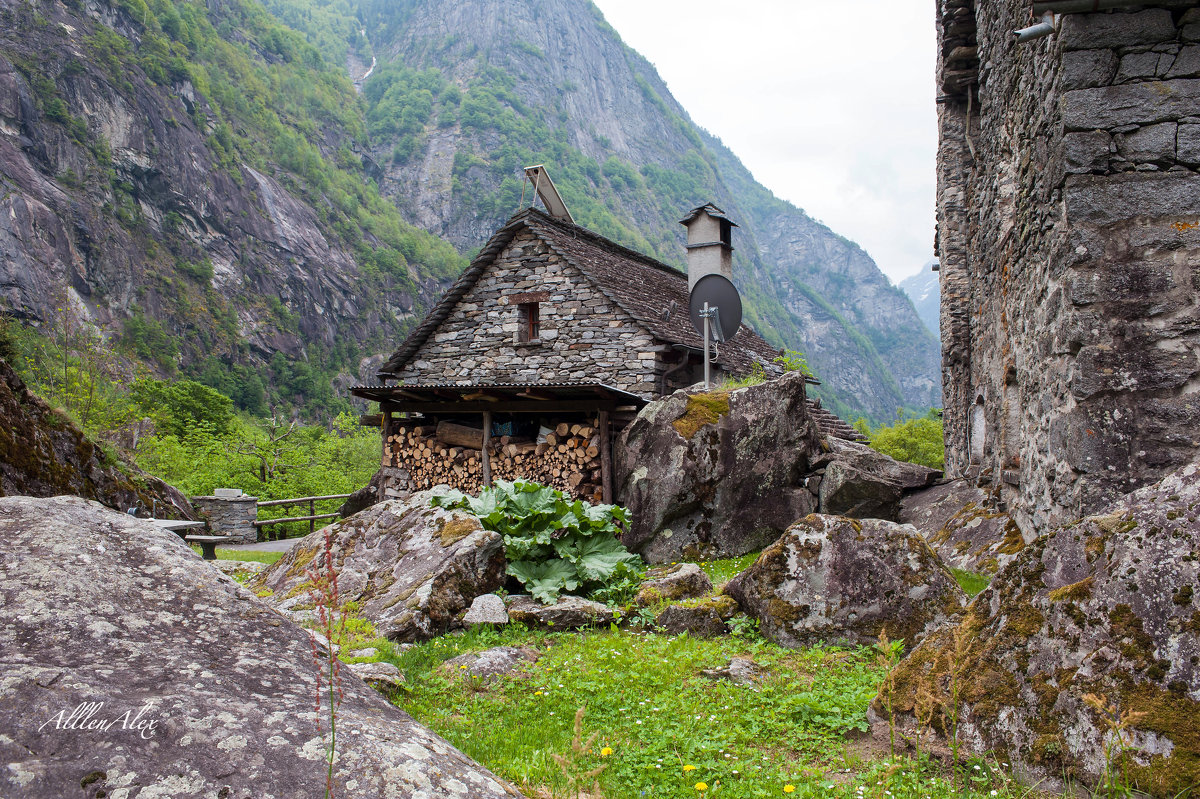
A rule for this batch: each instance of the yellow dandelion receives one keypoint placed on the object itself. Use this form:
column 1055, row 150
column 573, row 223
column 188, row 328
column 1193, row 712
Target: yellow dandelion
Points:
column 537, row 693
column 606, row 751
column 789, row 789
column 689, row 768
column 701, row 786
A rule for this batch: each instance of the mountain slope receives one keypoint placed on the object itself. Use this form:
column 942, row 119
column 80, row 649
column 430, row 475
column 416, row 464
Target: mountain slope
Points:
column 470, row 91
column 190, row 177
column 925, row 292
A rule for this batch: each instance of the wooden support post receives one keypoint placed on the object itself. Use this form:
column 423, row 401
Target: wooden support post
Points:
column 312, row 511
column 487, row 439
column 605, row 460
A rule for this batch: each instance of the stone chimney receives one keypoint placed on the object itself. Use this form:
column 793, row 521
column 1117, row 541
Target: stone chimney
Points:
column 709, row 243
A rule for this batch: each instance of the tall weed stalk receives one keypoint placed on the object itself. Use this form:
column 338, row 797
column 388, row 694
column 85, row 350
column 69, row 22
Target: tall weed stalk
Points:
column 331, row 622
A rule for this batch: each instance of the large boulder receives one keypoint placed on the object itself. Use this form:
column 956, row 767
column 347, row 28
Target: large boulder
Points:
column 1095, row 625
column 961, row 522
column 412, row 568
column 862, row 483
column 716, row 474
column 203, row 690
column 844, row 581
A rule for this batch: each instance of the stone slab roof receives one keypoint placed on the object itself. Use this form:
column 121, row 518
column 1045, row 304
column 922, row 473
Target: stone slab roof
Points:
column 642, row 287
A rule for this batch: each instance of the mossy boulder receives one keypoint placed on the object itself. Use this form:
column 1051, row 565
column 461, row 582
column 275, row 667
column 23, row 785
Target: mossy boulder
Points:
column 964, row 525
column 210, row 693
column 1093, row 627
column 412, row 568
column 716, row 474
column 844, row 581
column 674, row 582
column 699, row 618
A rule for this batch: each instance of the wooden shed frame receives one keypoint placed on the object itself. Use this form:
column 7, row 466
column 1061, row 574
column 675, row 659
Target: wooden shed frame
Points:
column 490, row 399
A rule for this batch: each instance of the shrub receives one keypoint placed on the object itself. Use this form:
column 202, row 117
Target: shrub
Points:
column 913, row 440
column 554, row 543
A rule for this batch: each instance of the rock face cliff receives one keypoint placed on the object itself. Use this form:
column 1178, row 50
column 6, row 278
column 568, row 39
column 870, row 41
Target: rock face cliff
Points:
column 149, row 185
column 518, row 83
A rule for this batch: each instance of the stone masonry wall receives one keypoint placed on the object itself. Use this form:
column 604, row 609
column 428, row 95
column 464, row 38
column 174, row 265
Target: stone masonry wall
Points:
column 1071, row 271
column 584, row 336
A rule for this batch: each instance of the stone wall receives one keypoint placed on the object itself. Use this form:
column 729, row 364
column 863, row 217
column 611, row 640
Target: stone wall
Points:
column 1069, row 237
column 584, row 336
column 230, row 516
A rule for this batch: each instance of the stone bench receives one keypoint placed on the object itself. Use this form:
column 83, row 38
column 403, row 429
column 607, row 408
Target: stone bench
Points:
column 208, row 543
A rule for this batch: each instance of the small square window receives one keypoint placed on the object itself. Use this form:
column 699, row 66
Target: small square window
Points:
column 529, row 322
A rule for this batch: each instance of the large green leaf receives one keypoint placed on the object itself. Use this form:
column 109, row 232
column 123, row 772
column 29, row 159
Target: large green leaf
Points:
column 545, row 580
column 596, row 557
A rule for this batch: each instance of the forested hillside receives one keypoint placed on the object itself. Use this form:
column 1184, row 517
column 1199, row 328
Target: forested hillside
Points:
column 466, row 93
column 204, row 183
column 194, row 180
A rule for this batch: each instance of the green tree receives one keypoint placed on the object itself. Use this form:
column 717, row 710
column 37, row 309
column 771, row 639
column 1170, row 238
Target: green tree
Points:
column 917, row 440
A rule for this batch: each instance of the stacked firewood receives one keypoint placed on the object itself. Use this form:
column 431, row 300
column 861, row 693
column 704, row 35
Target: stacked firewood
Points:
column 567, row 457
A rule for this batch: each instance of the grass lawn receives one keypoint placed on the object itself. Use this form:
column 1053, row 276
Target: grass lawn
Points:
column 662, row 729
column 246, row 555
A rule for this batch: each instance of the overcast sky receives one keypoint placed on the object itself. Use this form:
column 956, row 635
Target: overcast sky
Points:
column 829, row 104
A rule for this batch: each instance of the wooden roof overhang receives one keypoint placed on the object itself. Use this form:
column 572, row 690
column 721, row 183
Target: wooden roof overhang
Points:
column 499, row 398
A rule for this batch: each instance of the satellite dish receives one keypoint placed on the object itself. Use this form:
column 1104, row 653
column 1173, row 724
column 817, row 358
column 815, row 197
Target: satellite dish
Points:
column 720, row 293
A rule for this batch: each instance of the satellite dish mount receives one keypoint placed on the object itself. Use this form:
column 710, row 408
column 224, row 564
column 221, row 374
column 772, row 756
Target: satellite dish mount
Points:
column 716, row 312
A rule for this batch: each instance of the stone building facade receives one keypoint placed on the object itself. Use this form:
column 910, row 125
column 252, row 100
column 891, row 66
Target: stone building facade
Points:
column 547, row 301
column 1069, row 243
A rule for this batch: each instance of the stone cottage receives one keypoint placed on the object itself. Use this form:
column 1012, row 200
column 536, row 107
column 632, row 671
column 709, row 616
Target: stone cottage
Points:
column 552, row 328
column 1069, row 244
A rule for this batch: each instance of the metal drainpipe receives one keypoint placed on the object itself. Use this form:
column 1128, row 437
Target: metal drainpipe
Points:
column 1047, row 9
column 1038, row 31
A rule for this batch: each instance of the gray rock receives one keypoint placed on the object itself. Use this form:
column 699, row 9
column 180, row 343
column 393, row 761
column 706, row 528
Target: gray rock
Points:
column 1151, row 143
column 963, row 525
column 847, row 491
column 1105, row 200
column 569, row 613
column 1187, row 63
column 363, row 498
column 486, row 609
column 678, row 581
column 1188, row 144
column 1084, row 69
column 718, row 474
column 247, row 567
column 492, row 663
column 700, row 619
column 1088, row 31
column 741, row 671
column 411, row 567
column 1087, row 152
column 1130, row 104
column 369, row 652
column 1107, row 607
column 383, row 677
column 100, row 607
column 863, row 458
column 843, row 581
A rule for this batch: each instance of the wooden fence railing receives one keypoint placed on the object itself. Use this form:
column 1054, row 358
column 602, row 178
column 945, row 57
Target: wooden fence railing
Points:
column 312, row 516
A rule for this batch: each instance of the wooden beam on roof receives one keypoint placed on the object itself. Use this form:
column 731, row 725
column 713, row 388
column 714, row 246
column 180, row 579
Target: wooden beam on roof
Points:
column 537, row 394
column 534, row 406
column 484, row 394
